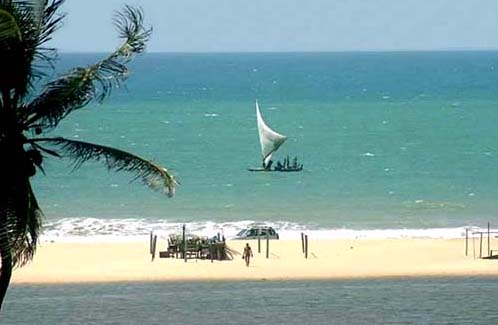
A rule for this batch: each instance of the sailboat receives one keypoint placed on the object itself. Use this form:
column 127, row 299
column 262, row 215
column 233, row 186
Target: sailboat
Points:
column 270, row 141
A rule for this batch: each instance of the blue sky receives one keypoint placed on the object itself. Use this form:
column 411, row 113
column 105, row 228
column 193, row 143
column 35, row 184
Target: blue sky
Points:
column 288, row 25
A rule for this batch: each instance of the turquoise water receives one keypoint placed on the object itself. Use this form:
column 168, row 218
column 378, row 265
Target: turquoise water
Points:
column 388, row 141
column 388, row 301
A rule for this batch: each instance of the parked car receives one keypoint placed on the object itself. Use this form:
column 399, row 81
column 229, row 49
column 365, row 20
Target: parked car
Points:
column 252, row 233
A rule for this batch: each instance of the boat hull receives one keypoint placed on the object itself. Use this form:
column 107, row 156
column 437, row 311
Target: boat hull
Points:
column 274, row 170
column 258, row 170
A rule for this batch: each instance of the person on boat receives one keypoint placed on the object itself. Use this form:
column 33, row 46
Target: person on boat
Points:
column 279, row 166
column 247, row 254
column 294, row 163
column 268, row 166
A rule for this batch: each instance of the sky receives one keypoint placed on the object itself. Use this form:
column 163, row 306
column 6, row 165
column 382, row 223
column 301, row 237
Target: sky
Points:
column 288, row 25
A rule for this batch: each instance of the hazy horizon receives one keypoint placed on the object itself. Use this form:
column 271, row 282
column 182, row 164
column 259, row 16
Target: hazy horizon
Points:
column 465, row 49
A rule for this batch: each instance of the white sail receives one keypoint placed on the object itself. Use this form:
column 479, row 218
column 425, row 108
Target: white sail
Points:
column 269, row 139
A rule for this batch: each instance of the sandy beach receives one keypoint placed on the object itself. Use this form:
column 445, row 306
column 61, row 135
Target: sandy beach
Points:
column 328, row 259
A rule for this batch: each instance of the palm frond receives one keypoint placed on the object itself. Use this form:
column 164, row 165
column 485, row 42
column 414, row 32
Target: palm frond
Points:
column 20, row 222
column 79, row 86
column 15, row 50
column 37, row 7
column 35, row 19
column 24, row 245
column 8, row 26
column 153, row 175
column 25, row 26
column 49, row 22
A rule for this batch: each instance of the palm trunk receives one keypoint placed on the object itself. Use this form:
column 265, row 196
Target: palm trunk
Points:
column 6, row 270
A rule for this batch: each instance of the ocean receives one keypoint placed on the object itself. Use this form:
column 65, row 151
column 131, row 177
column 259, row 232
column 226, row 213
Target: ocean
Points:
column 384, row 301
column 394, row 144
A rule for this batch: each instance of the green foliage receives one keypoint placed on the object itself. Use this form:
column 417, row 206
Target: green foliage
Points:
column 78, row 87
column 25, row 28
column 151, row 174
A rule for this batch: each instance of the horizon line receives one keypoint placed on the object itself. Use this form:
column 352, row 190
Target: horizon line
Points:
column 464, row 49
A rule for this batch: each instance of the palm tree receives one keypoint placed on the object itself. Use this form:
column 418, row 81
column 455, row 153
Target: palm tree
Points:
column 26, row 114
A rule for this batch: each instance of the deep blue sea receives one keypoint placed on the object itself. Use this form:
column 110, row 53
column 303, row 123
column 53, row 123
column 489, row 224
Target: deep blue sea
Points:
column 402, row 141
column 386, row 301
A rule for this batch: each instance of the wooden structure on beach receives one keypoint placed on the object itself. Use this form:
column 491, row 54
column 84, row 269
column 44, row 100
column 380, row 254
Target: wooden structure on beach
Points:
column 196, row 247
column 187, row 246
column 482, row 234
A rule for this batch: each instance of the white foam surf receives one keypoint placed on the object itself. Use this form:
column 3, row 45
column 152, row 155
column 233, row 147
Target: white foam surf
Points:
column 93, row 229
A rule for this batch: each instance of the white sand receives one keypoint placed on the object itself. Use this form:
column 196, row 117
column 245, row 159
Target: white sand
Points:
column 328, row 259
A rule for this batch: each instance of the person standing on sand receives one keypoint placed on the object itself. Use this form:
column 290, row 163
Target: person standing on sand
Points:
column 247, row 254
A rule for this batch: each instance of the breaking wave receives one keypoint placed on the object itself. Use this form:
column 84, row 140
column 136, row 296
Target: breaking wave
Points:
column 94, row 229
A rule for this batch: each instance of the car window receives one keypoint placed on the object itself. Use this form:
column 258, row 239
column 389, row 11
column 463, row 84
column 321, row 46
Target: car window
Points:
column 272, row 232
column 241, row 232
column 253, row 232
column 263, row 232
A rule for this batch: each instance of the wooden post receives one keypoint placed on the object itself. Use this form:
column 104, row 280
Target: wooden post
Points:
column 184, row 243
column 480, row 245
column 154, row 242
column 267, row 244
column 211, row 253
column 150, row 243
column 473, row 245
column 302, row 241
column 466, row 241
column 489, row 248
column 306, row 246
column 259, row 240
